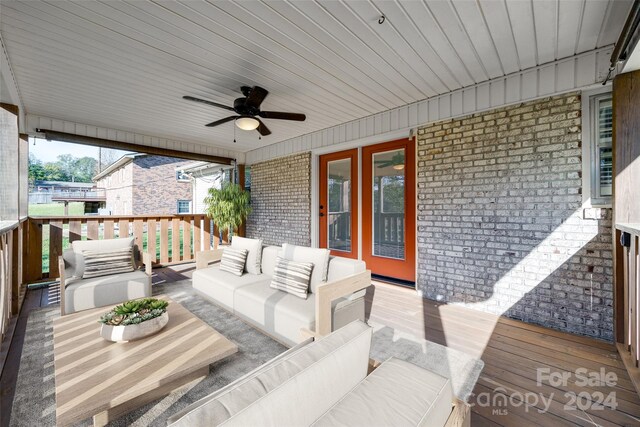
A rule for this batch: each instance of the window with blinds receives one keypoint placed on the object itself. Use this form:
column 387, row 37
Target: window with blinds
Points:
column 602, row 152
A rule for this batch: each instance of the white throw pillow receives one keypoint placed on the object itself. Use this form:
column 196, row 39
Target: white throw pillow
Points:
column 254, row 249
column 319, row 258
column 292, row 277
column 233, row 260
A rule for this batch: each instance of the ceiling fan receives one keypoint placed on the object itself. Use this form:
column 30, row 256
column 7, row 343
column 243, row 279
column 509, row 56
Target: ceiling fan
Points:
column 248, row 108
column 397, row 161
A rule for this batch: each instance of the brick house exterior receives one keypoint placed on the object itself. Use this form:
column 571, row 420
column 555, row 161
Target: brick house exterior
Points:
column 141, row 184
column 500, row 222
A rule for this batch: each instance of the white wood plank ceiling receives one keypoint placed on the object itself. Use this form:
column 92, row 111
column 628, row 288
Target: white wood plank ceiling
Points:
column 127, row 64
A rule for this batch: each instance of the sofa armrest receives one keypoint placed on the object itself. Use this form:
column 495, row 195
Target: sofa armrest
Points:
column 460, row 415
column 204, row 258
column 327, row 292
column 61, row 268
column 148, row 263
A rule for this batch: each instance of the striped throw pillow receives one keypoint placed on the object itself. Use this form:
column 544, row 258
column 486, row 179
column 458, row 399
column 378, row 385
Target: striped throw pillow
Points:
column 233, row 260
column 105, row 263
column 292, row 277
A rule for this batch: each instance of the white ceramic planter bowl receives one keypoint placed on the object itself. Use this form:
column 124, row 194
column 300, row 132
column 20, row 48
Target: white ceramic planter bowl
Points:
column 134, row 332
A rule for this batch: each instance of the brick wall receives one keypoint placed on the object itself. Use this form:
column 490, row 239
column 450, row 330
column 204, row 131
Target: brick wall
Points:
column 155, row 188
column 500, row 223
column 281, row 200
column 118, row 190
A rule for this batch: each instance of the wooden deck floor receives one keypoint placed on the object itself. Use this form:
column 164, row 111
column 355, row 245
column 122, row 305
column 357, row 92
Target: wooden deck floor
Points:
column 513, row 353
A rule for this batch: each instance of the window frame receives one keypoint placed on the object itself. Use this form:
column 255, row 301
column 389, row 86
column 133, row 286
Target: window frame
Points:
column 178, row 206
column 591, row 196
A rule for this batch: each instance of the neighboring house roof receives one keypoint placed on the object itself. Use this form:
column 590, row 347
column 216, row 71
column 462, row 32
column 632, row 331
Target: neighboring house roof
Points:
column 64, row 184
column 118, row 164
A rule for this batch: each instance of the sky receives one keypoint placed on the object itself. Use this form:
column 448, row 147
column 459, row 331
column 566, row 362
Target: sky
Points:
column 48, row 151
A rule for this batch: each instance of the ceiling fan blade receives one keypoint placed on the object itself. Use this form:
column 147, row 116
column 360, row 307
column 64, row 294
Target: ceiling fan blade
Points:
column 262, row 128
column 202, row 101
column 282, row 115
column 256, row 96
column 221, row 121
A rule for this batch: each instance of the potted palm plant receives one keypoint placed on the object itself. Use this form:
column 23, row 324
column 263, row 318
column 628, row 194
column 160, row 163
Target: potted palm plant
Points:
column 228, row 207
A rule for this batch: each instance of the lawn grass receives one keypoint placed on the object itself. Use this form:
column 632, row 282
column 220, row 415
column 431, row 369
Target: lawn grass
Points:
column 55, row 209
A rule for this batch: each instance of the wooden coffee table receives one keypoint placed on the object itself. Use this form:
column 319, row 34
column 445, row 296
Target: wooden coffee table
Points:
column 104, row 380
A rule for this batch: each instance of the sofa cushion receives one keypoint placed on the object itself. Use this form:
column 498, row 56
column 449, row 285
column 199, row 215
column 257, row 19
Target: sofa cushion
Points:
column 340, row 267
column 82, row 294
column 397, row 393
column 278, row 313
column 233, row 260
column 220, row 286
column 319, row 257
column 244, row 384
column 296, row 389
column 254, row 256
column 292, row 277
column 106, row 263
column 269, row 255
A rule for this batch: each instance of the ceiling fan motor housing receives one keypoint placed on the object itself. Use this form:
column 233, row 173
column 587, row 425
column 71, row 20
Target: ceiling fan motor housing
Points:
column 239, row 105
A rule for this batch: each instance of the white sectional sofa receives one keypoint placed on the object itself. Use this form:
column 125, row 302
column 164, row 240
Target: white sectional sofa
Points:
column 331, row 304
column 327, row 383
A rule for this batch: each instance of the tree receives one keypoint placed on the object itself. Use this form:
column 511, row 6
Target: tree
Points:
column 84, row 169
column 36, row 169
column 228, row 207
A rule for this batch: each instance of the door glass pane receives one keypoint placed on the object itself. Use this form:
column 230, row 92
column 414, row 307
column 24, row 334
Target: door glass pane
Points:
column 339, row 201
column 388, row 204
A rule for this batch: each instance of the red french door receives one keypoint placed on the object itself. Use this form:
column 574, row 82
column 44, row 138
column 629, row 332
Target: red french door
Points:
column 388, row 209
column 339, row 203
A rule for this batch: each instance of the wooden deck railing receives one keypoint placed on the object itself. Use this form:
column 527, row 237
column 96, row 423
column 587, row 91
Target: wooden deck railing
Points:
column 629, row 239
column 12, row 285
column 176, row 238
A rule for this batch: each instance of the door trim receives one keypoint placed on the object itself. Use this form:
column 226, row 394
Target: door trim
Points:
column 355, row 201
column 405, row 270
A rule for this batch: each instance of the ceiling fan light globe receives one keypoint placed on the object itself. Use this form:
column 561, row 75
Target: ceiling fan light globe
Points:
column 247, row 123
column 398, row 167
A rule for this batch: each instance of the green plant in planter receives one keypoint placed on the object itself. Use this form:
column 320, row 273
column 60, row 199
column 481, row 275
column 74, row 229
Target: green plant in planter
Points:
column 228, row 207
column 134, row 312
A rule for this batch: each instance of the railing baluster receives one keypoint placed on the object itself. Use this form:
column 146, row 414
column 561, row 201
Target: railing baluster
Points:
column 186, row 238
column 175, row 239
column 92, row 228
column 151, row 240
column 55, row 247
column 108, row 228
column 75, row 230
column 207, row 235
column 123, row 225
column 164, row 240
column 34, row 261
column 197, row 229
column 138, row 230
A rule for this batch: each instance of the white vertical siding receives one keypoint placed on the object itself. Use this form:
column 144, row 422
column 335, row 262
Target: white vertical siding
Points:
column 565, row 75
